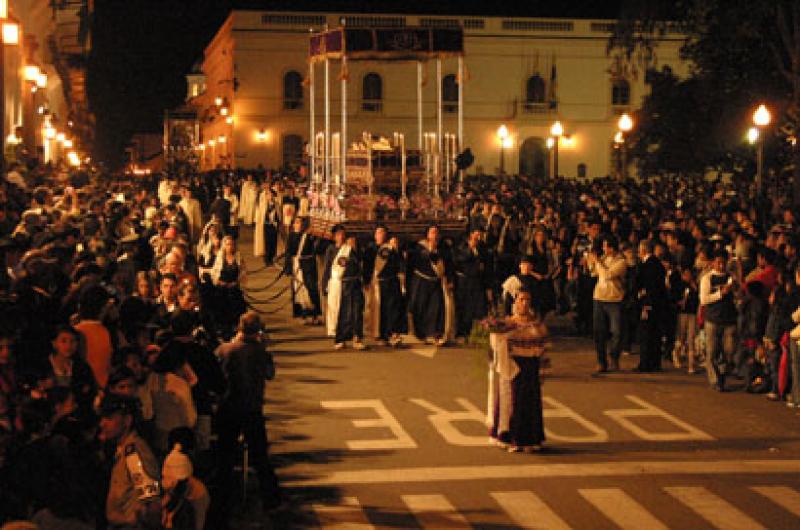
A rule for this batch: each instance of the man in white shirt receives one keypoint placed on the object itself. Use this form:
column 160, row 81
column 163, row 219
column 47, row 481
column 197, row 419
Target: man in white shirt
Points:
column 716, row 296
column 609, row 291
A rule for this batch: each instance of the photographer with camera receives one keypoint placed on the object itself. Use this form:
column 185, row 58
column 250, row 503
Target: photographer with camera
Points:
column 247, row 366
column 716, row 296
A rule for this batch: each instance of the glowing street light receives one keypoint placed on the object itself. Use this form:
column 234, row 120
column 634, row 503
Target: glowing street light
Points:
column 752, row 135
column 10, row 32
column 762, row 116
column 624, row 124
column 761, row 119
column 31, row 73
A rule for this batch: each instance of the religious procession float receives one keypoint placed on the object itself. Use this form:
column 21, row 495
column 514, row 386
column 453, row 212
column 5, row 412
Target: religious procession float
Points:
column 374, row 178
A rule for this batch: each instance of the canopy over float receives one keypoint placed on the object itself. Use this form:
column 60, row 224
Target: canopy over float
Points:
column 373, row 178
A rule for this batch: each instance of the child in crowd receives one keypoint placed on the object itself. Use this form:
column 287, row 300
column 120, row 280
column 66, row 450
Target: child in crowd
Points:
column 687, row 305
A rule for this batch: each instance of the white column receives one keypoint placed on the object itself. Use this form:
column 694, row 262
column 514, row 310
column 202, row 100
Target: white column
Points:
column 343, row 139
column 419, row 107
column 460, row 142
column 460, row 100
column 312, row 140
column 439, row 109
column 327, row 144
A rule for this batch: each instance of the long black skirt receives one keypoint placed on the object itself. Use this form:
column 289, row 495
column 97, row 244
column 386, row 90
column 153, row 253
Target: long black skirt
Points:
column 523, row 406
column 427, row 308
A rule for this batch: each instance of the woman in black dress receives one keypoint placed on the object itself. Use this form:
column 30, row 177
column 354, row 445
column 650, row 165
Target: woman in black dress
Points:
column 517, row 422
column 542, row 289
column 228, row 275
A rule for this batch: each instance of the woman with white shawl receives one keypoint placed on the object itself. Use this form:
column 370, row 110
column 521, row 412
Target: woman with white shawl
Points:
column 515, row 415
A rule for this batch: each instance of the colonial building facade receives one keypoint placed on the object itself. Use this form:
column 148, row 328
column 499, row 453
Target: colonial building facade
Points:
column 251, row 91
column 44, row 62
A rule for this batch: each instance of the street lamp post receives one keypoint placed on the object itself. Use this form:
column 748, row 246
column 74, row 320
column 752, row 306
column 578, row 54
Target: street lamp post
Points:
column 761, row 118
column 619, row 143
column 556, row 131
column 625, row 124
column 502, row 136
column 549, row 143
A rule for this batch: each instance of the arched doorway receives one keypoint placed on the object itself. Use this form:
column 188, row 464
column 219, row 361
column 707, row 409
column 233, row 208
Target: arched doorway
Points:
column 534, row 159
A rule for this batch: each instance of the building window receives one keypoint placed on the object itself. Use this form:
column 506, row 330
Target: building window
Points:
column 535, row 94
column 372, row 93
column 620, row 93
column 450, row 93
column 581, row 170
column 537, row 25
column 292, row 151
column 292, row 91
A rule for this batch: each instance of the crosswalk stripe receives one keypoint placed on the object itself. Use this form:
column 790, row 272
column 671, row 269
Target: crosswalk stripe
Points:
column 784, row 496
column 548, row 470
column 717, row 511
column 435, row 511
column 621, row 509
column 529, row 511
column 346, row 515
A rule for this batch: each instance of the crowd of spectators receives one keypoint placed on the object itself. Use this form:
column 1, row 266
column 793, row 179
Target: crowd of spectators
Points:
column 699, row 272
column 124, row 332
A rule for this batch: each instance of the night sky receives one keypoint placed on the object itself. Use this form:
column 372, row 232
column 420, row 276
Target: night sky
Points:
column 143, row 48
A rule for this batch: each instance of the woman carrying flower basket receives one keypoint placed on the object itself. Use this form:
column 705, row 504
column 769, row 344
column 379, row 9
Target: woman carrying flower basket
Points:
column 515, row 401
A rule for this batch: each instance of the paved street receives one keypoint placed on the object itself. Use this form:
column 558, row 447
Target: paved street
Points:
column 396, row 439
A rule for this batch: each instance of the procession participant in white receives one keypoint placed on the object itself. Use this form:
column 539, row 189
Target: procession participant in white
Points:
column 248, row 199
column 342, row 283
column 194, row 214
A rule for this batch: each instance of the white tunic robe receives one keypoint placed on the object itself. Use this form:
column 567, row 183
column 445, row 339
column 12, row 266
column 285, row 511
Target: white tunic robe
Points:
column 335, row 291
column 194, row 214
column 248, row 202
column 262, row 205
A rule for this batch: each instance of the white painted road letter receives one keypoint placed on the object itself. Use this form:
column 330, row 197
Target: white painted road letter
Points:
column 685, row 432
column 385, row 419
column 556, row 409
column 443, row 420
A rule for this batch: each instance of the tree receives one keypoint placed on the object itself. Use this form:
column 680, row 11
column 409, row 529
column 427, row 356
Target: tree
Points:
column 740, row 53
